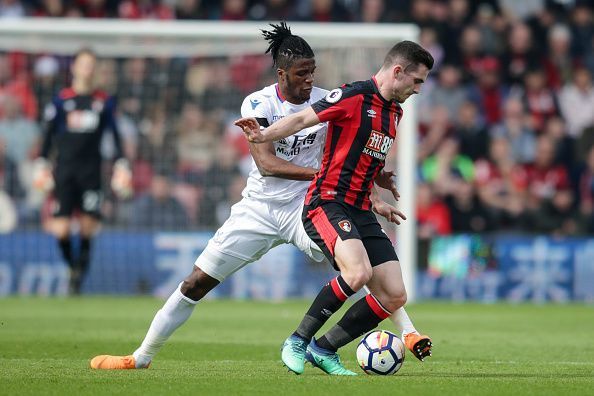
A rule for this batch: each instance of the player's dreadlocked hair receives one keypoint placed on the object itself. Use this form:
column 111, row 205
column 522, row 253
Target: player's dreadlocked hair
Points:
column 284, row 46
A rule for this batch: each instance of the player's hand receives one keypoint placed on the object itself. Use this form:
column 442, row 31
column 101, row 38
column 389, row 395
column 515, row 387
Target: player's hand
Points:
column 251, row 129
column 43, row 179
column 388, row 211
column 121, row 180
column 385, row 180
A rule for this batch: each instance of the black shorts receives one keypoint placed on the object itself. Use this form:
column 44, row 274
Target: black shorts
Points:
column 329, row 220
column 78, row 191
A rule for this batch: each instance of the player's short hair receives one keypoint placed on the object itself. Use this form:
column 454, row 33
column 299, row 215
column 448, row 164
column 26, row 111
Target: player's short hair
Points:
column 285, row 47
column 411, row 52
column 85, row 51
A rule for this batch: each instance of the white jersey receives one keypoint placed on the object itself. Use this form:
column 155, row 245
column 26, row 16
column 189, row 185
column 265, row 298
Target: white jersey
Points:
column 304, row 148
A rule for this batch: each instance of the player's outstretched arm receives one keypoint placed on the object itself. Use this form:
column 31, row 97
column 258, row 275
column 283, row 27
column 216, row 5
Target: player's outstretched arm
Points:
column 280, row 129
column 270, row 165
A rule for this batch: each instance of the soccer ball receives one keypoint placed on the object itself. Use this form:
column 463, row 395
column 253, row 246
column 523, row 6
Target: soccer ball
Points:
column 380, row 353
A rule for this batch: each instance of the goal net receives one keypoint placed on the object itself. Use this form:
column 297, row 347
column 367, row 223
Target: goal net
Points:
column 179, row 86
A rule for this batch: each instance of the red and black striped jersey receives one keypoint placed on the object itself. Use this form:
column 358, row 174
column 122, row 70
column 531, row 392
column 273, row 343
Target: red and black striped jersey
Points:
column 361, row 130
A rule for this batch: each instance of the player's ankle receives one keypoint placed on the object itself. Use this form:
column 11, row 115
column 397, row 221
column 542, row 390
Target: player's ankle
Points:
column 141, row 361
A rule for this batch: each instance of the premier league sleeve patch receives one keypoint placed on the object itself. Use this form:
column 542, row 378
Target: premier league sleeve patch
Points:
column 334, row 95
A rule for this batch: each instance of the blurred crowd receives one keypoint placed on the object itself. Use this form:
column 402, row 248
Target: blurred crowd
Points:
column 506, row 139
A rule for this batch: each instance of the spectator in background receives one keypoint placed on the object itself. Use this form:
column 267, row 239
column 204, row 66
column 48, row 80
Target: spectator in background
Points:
column 11, row 9
column 374, row 11
column 429, row 40
column 144, row 9
column 448, row 91
column 468, row 53
column 46, row 79
column 324, row 11
column 446, row 165
column 158, row 209
column 433, row 132
column 577, row 102
column 488, row 91
column 515, row 128
column 197, row 137
column 273, row 10
column 539, row 100
column 134, row 90
column 190, row 9
column 157, row 143
column 219, row 187
column 556, row 129
column 492, row 28
column 471, row 132
column 433, row 216
column 497, row 188
column 14, row 82
column 547, row 192
column 466, row 211
column 559, row 64
column 9, row 175
column 18, row 133
column 582, row 29
column 218, row 93
column 520, row 55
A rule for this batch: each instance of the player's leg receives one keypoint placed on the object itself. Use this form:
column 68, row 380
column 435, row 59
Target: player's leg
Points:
column 247, row 234
column 89, row 226
column 330, row 227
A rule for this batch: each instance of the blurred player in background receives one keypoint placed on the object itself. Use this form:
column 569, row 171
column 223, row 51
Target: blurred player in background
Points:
column 270, row 212
column 362, row 119
column 75, row 122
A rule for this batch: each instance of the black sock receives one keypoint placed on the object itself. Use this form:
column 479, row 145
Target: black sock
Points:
column 66, row 249
column 328, row 301
column 363, row 316
column 84, row 255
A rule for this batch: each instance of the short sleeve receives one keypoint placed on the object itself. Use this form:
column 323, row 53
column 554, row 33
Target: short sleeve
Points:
column 255, row 106
column 335, row 106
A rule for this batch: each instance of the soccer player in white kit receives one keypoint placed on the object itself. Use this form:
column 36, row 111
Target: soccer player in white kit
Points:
column 270, row 212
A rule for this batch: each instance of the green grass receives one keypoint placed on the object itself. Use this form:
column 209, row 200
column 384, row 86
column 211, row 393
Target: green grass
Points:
column 232, row 348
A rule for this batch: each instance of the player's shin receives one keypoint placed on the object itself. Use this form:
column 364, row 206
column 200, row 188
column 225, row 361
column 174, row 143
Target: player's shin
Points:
column 329, row 300
column 175, row 312
column 363, row 316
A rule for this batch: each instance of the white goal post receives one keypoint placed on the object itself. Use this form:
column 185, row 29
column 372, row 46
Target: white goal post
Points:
column 359, row 46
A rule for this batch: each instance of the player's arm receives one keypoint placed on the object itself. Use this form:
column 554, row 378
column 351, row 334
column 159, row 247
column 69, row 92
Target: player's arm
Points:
column 281, row 129
column 42, row 169
column 121, row 179
column 385, row 180
column 270, row 165
column 384, row 209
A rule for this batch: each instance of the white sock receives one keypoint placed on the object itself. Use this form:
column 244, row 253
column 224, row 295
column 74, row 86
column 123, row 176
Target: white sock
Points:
column 177, row 309
column 402, row 322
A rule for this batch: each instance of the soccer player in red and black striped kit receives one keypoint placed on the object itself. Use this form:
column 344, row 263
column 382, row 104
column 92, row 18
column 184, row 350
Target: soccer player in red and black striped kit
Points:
column 362, row 121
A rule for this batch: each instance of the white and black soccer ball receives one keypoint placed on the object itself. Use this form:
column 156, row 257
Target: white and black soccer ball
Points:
column 380, row 353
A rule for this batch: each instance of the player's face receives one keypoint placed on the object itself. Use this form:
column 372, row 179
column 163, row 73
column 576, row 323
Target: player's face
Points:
column 84, row 67
column 296, row 82
column 407, row 82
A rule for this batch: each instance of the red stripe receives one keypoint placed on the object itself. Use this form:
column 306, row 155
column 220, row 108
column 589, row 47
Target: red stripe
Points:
column 324, row 228
column 337, row 290
column 347, row 137
column 376, row 307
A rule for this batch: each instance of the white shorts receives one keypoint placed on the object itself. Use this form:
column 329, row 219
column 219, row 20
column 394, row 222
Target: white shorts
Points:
column 253, row 228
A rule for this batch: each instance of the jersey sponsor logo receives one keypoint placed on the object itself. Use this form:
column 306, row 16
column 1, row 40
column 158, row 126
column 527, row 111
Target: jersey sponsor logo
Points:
column 82, row 121
column 254, row 103
column 288, row 149
column 345, row 225
column 334, row 95
column 277, row 117
column 378, row 145
column 371, row 113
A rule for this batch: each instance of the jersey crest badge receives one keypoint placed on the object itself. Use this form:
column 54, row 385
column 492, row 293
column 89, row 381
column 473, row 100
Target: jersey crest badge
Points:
column 254, row 103
column 334, row 95
column 345, row 225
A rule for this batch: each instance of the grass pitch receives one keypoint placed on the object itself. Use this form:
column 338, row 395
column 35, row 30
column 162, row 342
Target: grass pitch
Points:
column 232, row 348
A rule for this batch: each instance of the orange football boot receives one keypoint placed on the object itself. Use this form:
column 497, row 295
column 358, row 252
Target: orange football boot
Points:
column 419, row 345
column 107, row 362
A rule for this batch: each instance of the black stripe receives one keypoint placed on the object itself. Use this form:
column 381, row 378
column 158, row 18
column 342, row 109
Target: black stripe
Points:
column 336, row 131
column 356, row 150
column 263, row 122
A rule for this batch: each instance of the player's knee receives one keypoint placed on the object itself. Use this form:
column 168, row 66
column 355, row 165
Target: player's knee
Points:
column 358, row 277
column 197, row 284
column 395, row 299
